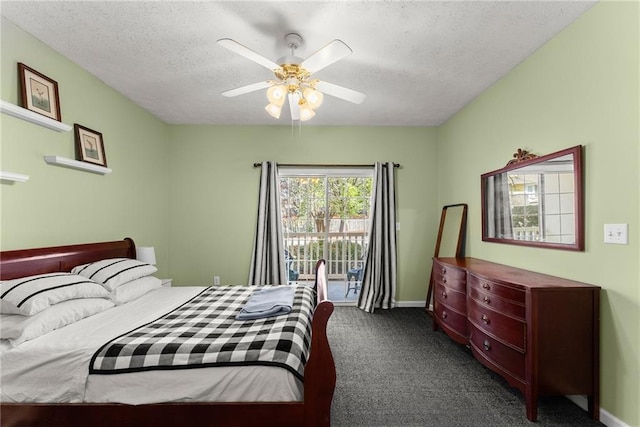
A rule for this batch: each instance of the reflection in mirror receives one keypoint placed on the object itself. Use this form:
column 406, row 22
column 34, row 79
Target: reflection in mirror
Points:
column 537, row 202
column 451, row 233
column 451, row 238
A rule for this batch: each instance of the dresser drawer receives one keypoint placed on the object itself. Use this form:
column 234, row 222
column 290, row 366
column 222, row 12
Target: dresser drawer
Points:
column 452, row 277
column 504, row 328
column 451, row 298
column 497, row 303
column 449, row 319
column 505, row 357
column 492, row 288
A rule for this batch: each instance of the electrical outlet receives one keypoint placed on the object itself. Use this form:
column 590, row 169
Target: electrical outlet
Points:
column 616, row 234
column 216, row 280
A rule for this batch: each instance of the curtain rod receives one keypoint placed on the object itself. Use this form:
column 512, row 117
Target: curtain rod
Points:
column 257, row 165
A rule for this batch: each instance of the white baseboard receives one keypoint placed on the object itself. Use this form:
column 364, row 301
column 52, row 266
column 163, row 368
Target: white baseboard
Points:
column 410, row 304
column 405, row 304
column 605, row 417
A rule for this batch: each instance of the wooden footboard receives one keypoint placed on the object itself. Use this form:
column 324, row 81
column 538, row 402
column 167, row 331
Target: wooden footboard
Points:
column 320, row 371
column 314, row 410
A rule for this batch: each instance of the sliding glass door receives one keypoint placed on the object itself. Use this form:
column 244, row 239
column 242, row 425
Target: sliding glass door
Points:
column 326, row 214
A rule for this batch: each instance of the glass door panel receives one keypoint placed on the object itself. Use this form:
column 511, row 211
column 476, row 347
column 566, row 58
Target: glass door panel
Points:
column 327, row 216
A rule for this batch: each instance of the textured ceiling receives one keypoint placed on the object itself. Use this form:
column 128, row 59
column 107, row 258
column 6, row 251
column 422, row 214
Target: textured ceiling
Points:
column 418, row 62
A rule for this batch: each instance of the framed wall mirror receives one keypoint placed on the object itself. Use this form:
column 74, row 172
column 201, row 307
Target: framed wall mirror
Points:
column 451, row 238
column 536, row 201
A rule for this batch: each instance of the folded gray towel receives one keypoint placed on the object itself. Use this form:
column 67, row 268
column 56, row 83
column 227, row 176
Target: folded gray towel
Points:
column 267, row 302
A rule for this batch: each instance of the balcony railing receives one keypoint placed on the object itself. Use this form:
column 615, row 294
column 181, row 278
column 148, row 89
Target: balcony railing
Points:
column 344, row 255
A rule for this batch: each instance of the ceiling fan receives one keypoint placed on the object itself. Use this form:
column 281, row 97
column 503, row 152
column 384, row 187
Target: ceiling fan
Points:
column 293, row 78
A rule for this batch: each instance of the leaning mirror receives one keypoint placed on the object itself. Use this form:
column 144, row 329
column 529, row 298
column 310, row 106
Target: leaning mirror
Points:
column 451, row 232
column 535, row 201
column 450, row 240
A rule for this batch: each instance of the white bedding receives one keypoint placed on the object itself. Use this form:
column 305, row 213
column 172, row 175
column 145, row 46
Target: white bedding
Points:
column 62, row 358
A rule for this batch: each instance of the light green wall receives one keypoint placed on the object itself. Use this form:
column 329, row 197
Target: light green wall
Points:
column 580, row 88
column 64, row 206
column 214, row 190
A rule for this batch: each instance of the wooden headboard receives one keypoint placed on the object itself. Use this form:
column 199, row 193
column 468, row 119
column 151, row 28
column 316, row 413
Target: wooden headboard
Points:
column 27, row 262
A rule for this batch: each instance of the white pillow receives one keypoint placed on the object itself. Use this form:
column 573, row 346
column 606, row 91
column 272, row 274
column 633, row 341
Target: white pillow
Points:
column 31, row 295
column 114, row 272
column 17, row 329
column 135, row 289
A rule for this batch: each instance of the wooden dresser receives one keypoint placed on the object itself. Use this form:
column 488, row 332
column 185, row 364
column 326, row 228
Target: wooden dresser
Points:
column 540, row 332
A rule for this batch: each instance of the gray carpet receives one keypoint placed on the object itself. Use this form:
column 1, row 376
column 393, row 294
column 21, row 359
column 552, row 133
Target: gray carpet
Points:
column 393, row 370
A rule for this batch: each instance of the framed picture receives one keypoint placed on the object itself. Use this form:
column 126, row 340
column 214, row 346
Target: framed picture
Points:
column 39, row 93
column 89, row 145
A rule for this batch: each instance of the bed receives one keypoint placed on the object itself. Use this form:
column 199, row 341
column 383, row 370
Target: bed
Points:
column 251, row 395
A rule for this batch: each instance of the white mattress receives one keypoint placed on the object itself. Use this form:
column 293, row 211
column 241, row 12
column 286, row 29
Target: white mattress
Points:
column 54, row 367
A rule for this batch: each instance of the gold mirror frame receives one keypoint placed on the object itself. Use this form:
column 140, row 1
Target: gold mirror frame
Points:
column 550, row 210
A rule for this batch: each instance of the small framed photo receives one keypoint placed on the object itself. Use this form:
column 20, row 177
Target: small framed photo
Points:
column 89, row 145
column 39, row 93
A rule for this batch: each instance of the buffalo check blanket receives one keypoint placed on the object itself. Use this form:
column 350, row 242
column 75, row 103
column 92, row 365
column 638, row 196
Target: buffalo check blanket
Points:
column 203, row 332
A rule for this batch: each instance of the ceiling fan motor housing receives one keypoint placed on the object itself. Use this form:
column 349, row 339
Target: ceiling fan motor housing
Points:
column 289, row 60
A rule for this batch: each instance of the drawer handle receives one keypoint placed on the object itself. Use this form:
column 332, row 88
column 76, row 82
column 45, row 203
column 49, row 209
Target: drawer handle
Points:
column 444, row 270
column 485, row 319
column 444, row 294
column 444, row 280
column 444, row 314
column 487, row 345
column 486, row 286
column 487, row 299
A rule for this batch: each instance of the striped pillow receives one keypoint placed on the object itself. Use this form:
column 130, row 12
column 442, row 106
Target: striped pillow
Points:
column 114, row 272
column 31, row 295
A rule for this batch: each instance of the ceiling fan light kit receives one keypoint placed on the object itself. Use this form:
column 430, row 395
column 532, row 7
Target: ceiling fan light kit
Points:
column 313, row 97
column 293, row 76
column 306, row 112
column 273, row 110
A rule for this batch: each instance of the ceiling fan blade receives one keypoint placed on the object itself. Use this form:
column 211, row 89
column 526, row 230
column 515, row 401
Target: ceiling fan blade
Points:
column 332, row 52
column 246, row 89
column 293, row 106
column 340, row 92
column 236, row 47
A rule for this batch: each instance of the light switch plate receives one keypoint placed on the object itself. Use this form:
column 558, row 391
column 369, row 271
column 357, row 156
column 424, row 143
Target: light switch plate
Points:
column 617, row 234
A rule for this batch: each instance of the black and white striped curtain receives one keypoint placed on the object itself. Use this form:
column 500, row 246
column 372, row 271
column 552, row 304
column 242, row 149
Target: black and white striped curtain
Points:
column 379, row 278
column 267, row 259
column 499, row 214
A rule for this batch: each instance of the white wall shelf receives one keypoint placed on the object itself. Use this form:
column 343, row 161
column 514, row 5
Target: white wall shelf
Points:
column 14, row 177
column 75, row 164
column 30, row 116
